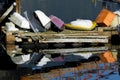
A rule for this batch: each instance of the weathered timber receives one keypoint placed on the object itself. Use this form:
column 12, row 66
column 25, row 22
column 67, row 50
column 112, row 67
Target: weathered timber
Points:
column 106, row 29
column 18, row 6
column 7, row 13
column 10, row 39
column 100, row 35
column 66, row 36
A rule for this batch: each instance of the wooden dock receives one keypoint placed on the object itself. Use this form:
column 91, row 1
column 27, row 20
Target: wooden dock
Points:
column 66, row 41
column 100, row 35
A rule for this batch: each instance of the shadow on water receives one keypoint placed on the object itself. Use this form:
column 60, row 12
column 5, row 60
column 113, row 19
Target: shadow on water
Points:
column 115, row 40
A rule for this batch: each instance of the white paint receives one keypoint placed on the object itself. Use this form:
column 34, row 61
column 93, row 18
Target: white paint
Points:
column 44, row 19
column 19, row 20
column 9, row 26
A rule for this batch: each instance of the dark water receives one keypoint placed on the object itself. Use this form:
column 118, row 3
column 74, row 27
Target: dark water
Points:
column 67, row 10
column 7, row 67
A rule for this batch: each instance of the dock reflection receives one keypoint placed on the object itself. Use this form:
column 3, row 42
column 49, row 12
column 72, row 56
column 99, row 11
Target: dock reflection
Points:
column 81, row 63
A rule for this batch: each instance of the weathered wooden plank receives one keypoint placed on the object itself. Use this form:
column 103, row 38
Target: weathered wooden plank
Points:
column 66, row 39
column 79, row 39
column 7, row 12
column 63, row 34
column 18, row 6
column 101, row 29
column 74, row 40
column 10, row 39
column 66, row 36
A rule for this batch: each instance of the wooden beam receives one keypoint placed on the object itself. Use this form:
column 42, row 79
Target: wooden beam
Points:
column 18, row 6
column 6, row 12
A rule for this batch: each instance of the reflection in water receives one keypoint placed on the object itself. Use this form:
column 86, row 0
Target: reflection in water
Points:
column 118, row 59
column 90, row 70
column 81, row 65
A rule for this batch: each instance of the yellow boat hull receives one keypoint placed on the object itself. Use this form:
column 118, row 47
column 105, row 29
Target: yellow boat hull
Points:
column 69, row 26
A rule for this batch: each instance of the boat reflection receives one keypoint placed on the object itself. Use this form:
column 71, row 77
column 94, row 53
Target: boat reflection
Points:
column 89, row 70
